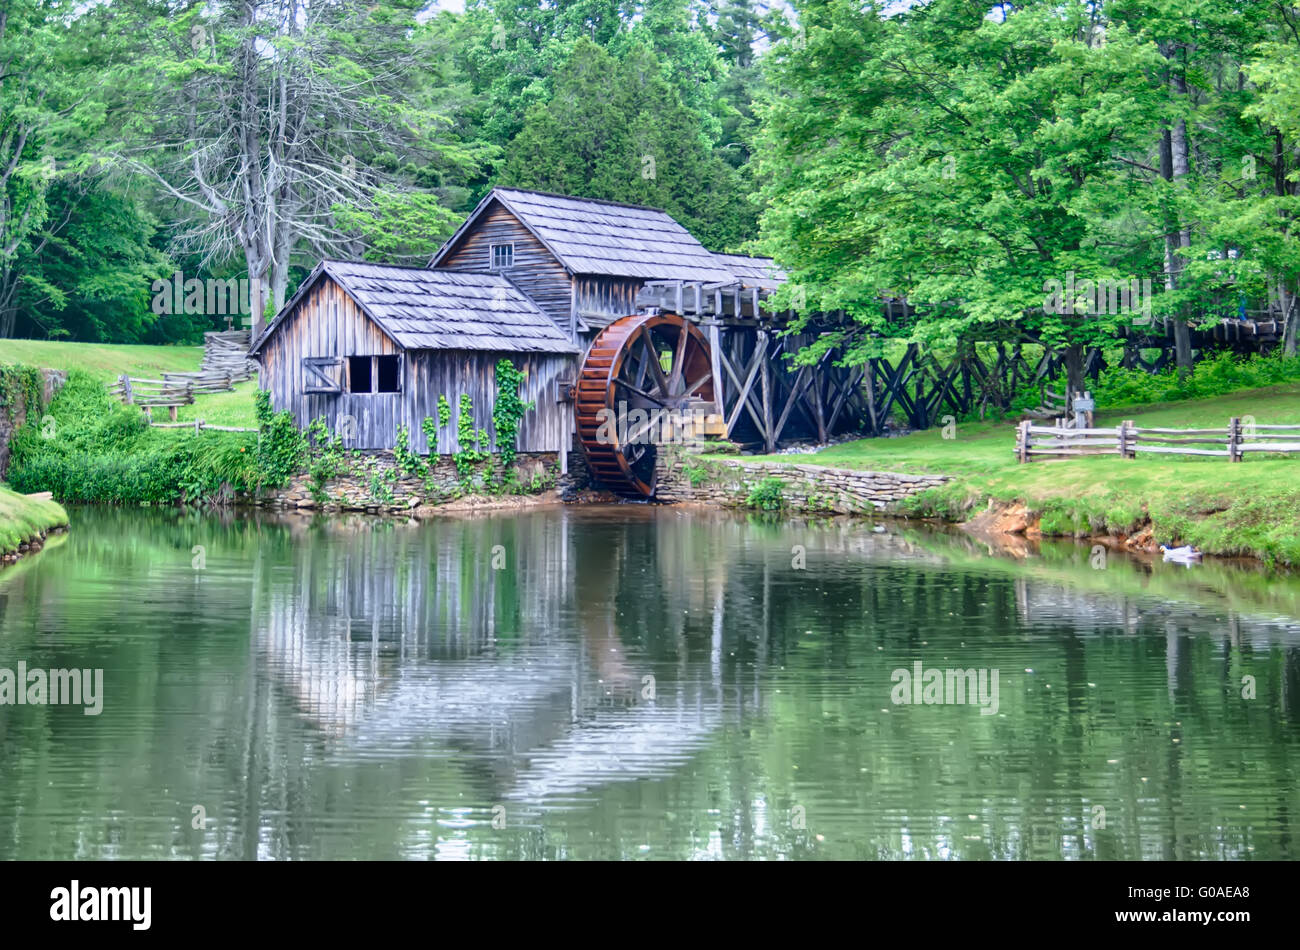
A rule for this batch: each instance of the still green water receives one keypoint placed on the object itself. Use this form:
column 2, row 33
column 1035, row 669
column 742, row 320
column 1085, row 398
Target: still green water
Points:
column 637, row 682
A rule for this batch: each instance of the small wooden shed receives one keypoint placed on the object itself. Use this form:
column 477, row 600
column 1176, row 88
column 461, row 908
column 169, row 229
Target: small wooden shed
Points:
column 371, row 347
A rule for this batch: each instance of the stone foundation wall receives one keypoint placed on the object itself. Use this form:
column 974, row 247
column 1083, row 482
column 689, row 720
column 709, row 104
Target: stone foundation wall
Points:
column 13, row 417
column 374, row 483
column 811, row 488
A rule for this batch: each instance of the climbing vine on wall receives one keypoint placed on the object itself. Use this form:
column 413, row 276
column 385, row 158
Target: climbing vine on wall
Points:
column 430, row 429
column 326, row 458
column 473, row 443
column 509, row 409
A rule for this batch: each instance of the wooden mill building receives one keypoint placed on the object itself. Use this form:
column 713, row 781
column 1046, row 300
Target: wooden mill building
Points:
column 536, row 278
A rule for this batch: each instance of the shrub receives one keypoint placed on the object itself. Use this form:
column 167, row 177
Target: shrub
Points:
column 281, row 447
column 98, row 450
column 1217, row 375
column 767, row 495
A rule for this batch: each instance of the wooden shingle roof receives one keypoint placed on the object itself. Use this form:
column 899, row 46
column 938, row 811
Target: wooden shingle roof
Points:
column 440, row 310
column 753, row 271
column 588, row 236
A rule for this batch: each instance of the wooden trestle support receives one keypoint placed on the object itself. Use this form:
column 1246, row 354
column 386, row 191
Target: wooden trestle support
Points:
column 719, row 349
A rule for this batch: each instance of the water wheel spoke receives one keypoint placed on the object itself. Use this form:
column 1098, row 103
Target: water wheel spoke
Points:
column 679, row 361
column 694, row 387
column 646, row 397
column 634, row 435
column 639, row 355
column 660, row 381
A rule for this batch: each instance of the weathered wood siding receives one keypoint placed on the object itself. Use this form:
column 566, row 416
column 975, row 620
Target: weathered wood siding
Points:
column 431, row 373
column 328, row 323
column 536, row 271
column 602, row 300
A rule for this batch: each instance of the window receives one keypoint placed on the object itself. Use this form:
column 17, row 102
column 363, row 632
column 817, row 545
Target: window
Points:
column 359, row 374
column 374, row 374
column 503, row 256
column 386, row 374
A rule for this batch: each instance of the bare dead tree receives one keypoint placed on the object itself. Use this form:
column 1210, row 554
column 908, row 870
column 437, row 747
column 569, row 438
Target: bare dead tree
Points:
column 265, row 116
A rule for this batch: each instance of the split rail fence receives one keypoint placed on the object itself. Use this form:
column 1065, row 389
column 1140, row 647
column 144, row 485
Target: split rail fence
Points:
column 1128, row 440
column 150, row 394
column 197, row 425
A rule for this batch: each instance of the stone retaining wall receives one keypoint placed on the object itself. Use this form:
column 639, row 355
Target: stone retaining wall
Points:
column 803, row 487
column 374, row 483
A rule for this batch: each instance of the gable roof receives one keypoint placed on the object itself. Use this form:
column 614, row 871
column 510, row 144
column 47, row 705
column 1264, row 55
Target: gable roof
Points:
column 424, row 309
column 590, row 236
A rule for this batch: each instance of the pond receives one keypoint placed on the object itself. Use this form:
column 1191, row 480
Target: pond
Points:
column 640, row 682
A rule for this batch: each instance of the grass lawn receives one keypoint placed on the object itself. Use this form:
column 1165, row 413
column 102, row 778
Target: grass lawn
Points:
column 108, row 361
column 234, row 408
column 104, row 360
column 1248, row 508
column 23, row 518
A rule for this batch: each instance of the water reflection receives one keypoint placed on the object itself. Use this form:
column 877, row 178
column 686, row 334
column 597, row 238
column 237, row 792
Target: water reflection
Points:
column 633, row 682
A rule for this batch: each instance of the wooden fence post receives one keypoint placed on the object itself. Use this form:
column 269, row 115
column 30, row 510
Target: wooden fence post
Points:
column 1129, row 441
column 127, row 396
column 1022, row 441
column 1234, row 439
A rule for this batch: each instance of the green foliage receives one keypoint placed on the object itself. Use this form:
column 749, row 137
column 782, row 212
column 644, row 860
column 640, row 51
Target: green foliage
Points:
column 767, row 495
column 281, row 447
column 381, row 489
column 430, row 428
column 399, row 225
column 1218, row 375
column 327, row 458
column 616, row 128
column 697, row 474
column 975, row 180
column 508, row 409
column 408, row 462
column 473, row 443
column 819, row 502
column 94, row 449
column 20, row 390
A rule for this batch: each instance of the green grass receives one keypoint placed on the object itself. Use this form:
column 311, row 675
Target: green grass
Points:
column 234, row 408
column 23, row 518
column 1252, row 508
column 104, row 360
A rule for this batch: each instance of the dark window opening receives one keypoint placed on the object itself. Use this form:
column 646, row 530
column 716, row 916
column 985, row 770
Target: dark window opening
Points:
column 359, row 374
column 386, row 374
column 503, row 255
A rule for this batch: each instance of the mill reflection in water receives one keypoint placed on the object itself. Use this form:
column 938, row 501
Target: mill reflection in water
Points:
column 638, row 682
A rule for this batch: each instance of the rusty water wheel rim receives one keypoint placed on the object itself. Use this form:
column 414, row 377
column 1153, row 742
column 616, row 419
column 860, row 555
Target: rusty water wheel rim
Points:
column 624, row 365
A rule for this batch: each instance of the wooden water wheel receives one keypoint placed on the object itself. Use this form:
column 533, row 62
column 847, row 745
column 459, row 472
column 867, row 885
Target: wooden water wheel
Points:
column 638, row 368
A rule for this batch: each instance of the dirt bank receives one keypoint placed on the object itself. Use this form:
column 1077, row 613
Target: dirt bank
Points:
column 1011, row 526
